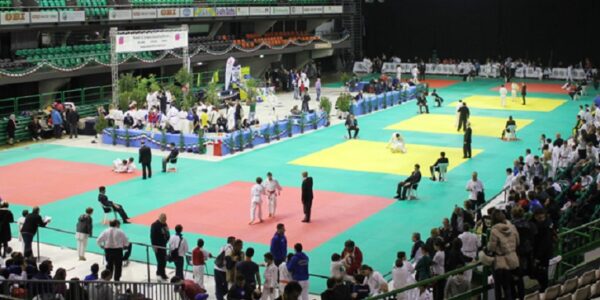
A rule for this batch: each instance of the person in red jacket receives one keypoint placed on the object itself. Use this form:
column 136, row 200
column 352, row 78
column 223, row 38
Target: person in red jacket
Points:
column 352, row 257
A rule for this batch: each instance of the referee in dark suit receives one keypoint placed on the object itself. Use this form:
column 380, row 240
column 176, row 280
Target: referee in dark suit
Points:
column 467, row 141
column 307, row 195
column 146, row 160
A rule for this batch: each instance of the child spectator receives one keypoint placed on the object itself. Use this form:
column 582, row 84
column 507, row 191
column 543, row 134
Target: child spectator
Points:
column 94, row 275
column 199, row 257
column 270, row 275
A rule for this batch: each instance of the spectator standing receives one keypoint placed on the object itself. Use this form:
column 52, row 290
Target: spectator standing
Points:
column 84, row 231
column 57, row 121
column 30, row 227
column 113, row 240
column 503, row 243
column 73, row 120
column 199, row 258
column 377, row 284
column 415, row 253
column 543, row 245
column 298, row 268
column 6, row 218
column 11, row 128
column 159, row 237
column 279, row 245
column 221, row 269
column 439, row 261
column 178, row 247
column 475, row 189
column 250, row 271
column 271, row 278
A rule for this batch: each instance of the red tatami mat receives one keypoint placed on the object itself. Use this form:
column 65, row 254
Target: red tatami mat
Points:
column 40, row 181
column 551, row 88
column 226, row 211
column 439, row 83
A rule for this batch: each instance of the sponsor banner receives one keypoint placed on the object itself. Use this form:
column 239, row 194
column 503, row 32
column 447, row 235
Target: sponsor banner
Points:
column 323, row 45
column 297, row 10
column 242, row 11
column 43, row 16
column 9, row 18
column 312, row 10
column 120, row 14
column 167, row 13
column 333, row 9
column 226, row 11
column 204, row 12
column 151, row 41
column 144, row 13
column 280, row 10
column 260, row 11
column 186, row 12
column 72, row 16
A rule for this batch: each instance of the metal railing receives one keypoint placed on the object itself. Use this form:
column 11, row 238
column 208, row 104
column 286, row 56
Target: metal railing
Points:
column 98, row 290
column 574, row 243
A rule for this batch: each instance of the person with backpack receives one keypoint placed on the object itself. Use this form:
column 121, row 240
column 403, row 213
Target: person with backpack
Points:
column 178, row 247
column 220, row 269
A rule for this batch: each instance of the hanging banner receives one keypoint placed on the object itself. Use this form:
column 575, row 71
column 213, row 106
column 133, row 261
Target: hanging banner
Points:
column 280, row 10
column 44, row 17
column 297, row 10
column 186, row 12
column 120, row 14
column 204, row 12
column 10, row 18
column 260, row 11
column 226, row 11
column 242, row 11
column 229, row 71
column 151, row 41
column 168, row 13
column 312, row 10
column 72, row 16
column 333, row 9
column 144, row 13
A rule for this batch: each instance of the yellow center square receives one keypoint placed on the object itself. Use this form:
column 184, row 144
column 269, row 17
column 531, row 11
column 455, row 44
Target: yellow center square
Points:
column 493, row 102
column 447, row 124
column 369, row 156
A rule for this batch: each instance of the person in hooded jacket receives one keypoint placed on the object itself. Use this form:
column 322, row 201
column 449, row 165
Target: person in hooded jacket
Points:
column 503, row 243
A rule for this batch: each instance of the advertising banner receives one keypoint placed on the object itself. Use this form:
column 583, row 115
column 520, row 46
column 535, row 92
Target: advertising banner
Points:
column 151, row 41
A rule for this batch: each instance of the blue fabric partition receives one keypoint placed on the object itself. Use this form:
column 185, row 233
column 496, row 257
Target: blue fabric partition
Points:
column 372, row 103
column 238, row 140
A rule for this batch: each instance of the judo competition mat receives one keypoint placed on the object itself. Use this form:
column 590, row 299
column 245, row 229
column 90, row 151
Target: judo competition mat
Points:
column 354, row 180
column 446, row 124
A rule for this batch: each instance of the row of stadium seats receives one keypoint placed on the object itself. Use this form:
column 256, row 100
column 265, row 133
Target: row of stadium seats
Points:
column 273, row 38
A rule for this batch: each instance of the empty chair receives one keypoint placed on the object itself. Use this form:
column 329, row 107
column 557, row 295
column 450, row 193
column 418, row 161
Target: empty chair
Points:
column 582, row 293
column 569, row 286
column 552, row 292
column 595, row 289
column 587, row 278
column 533, row 296
column 564, row 297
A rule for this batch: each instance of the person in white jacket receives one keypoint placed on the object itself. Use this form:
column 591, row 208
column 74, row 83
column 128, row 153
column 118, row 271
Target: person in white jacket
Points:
column 256, row 195
column 401, row 277
column 503, row 93
column 396, row 143
column 271, row 279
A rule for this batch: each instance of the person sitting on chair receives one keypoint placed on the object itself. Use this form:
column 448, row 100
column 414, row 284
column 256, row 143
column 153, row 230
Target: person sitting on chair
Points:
column 422, row 103
column 111, row 205
column 510, row 124
column 396, row 143
column 436, row 167
column 123, row 166
column 408, row 183
column 171, row 158
column 352, row 125
column 438, row 100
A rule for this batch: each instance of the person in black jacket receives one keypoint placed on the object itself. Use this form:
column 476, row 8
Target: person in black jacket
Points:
column 145, row 159
column 84, row 231
column 307, row 195
column 73, row 120
column 30, row 227
column 11, row 127
column 352, row 125
column 159, row 236
column 467, row 142
column 408, row 183
column 543, row 245
column 6, row 218
column 436, row 167
column 116, row 207
column 463, row 116
column 172, row 157
column 523, row 92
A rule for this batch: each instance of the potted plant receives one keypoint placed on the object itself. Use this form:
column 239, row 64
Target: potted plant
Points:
column 127, row 136
column 314, row 120
column 267, row 133
column 345, row 78
column 101, row 124
column 276, row 130
column 230, row 143
column 201, row 141
column 240, row 140
column 343, row 104
column 113, row 135
column 289, row 126
column 250, row 138
column 325, row 105
column 163, row 139
column 302, row 122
